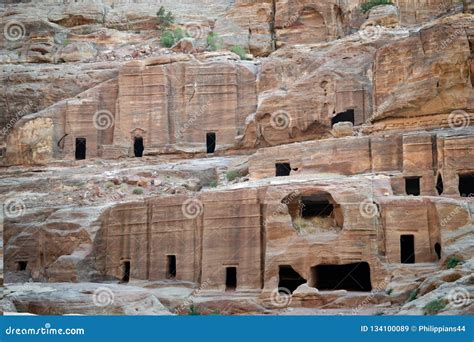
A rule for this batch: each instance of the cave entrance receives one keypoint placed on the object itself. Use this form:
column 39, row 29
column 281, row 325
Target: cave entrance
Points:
column 126, row 271
column 171, row 267
column 80, row 148
column 315, row 206
column 282, row 169
column 439, row 184
column 407, row 249
column 412, row 186
column 289, row 278
column 21, row 265
column 466, row 185
column 347, row 116
column 230, row 278
column 437, row 248
column 350, row 277
column 138, row 147
column 211, row 142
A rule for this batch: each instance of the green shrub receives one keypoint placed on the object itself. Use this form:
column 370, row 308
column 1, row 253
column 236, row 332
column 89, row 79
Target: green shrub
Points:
column 453, row 261
column 239, row 50
column 164, row 19
column 231, row 175
column 138, row 191
column 169, row 38
column 413, row 295
column 389, row 291
column 109, row 185
column 213, row 183
column 192, row 311
column 214, row 41
column 367, row 6
column 433, row 307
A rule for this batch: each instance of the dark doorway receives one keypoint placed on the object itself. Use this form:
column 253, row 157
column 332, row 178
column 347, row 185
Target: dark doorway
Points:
column 350, row 277
column 171, row 267
column 466, row 185
column 289, row 278
column 21, row 265
column 230, row 278
column 282, row 169
column 412, row 186
column 437, row 248
column 138, row 147
column 315, row 206
column 347, row 116
column 126, row 271
column 407, row 249
column 211, row 142
column 439, row 184
column 80, row 148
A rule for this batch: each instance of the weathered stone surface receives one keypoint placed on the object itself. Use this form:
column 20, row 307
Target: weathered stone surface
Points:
column 84, row 299
column 384, row 15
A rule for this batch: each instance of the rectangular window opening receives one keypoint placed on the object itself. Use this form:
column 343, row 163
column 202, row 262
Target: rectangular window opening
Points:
column 171, row 267
column 211, row 142
column 21, row 265
column 412, row 186
column 125, row 271
column 230, row 278
column 282, row 169
column 407, row 249
column 80, row 153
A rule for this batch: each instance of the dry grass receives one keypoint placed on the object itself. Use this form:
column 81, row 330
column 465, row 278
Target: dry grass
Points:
column 314, row 225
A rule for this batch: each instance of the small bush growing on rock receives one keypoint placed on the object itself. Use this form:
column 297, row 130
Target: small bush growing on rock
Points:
column 169, row 38
column 453, row 261
column 138, row 191
column 240, row 51
column 389, row 291
column 163, row 18
column 192, row 311
column 109, row 185
column 367, row 6
column 433, row 307
column 213, row 183
column 231, row 175
column 413, row 295
column 214, row 41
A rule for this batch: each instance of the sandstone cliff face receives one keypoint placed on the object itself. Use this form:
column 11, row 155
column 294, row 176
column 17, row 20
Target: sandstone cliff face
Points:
column 268, row 103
